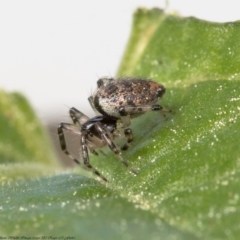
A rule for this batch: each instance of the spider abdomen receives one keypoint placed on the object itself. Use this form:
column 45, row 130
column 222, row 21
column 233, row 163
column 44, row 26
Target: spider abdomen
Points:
column 112, row 94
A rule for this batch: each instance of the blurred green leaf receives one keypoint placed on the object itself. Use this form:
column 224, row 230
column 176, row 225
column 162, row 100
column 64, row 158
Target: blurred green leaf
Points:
column 74, row 206
column 25, row 148
column 188, row 161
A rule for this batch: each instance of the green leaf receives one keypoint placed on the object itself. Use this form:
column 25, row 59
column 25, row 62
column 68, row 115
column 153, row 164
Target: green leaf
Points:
column 188, row 162
column 77, row 207
column 24, row 145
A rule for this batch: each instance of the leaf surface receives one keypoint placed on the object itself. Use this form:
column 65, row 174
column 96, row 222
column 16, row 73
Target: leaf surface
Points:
column 188, row 161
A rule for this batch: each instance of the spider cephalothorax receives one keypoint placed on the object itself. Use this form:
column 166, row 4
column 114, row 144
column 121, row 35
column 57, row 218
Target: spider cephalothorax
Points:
column 117, row 100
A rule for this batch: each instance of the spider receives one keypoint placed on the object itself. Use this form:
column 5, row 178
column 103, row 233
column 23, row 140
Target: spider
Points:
column 117, row 100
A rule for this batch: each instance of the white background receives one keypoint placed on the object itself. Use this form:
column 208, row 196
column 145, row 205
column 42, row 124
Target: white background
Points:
column 53, row 51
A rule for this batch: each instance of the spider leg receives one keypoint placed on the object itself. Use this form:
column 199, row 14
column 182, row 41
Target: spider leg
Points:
column 77, row 117
column 107, row 139
column 92, row 150
column 85, row 157
column 90, row 100
column 72, row 128
column 126, row 112
column 129, row 135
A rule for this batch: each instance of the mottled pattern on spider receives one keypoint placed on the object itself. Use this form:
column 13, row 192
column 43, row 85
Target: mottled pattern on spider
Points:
column 117, row 100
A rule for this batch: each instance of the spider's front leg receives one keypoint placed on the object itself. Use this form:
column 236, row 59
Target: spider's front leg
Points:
column 107, row 139
column 72, row 128
column 78, row 117
column 85, row 156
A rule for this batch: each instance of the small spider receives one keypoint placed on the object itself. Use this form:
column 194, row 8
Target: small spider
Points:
column 117, row 100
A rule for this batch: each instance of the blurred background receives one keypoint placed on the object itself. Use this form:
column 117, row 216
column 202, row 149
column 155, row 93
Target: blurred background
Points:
column 54, row 51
